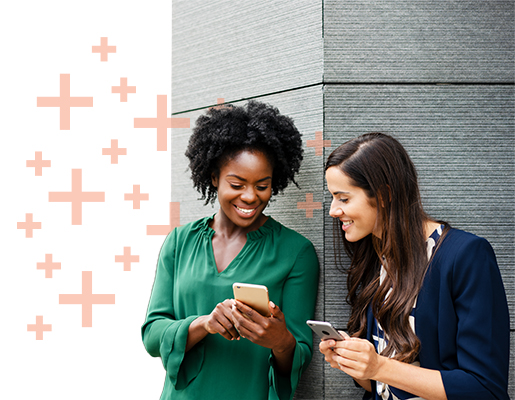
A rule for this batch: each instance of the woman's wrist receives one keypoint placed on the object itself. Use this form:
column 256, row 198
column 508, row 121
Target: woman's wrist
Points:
column 382, row 368
column 287, row 346
column 283, row 355
column 196, row 332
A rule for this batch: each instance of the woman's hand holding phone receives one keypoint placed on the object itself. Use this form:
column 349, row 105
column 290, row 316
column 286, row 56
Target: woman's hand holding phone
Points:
column 220, row 321
column 330, row 339
column 254, row 318
column 347, row 350
column 270, row 332
column 258, row 319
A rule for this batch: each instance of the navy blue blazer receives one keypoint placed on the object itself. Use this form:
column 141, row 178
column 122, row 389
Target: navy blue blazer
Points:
column 462, row 319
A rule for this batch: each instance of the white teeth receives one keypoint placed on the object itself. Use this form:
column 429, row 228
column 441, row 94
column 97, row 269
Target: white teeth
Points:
column 347, row 223
column 245, row 210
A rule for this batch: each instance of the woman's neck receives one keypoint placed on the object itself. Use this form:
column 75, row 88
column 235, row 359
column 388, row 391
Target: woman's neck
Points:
column 429, row 228
column 224, row 226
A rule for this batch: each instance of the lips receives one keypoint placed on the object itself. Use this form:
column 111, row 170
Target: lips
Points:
column 346, row 224
column 246, row 212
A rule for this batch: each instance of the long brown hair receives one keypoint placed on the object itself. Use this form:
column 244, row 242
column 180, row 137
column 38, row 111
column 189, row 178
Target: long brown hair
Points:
column 378, row 164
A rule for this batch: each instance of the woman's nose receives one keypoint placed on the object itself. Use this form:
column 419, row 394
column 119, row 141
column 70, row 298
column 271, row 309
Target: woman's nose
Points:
column 335, row 211
column 249, row 195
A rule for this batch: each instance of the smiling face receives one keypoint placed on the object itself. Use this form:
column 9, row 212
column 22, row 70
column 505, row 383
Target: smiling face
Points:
column 352, row 206
column 244, row 187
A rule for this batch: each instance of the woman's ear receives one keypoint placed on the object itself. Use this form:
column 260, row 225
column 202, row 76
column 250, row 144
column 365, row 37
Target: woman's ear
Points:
column 214, row 180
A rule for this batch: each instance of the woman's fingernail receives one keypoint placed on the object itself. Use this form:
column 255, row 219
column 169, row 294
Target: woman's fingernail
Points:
column 272, row 304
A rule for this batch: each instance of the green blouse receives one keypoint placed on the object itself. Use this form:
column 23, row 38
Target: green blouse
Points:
column 188, row 285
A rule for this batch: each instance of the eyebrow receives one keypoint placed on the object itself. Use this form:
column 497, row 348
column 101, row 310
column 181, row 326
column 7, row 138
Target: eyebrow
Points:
column 243, row 179
column 340, row 192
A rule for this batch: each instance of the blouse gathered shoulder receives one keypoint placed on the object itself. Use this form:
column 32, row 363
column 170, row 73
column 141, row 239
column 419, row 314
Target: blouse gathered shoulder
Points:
column 461, row 319
column 188, row 285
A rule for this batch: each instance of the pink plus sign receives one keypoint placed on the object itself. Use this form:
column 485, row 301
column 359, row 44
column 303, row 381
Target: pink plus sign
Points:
column 48, row 265
column 309, row 205
column 123, row 89
column 29, row 225
column 162, row 122
column 318, row 143
column 175, row 220
column 76, row 197
column 219, row 101
column 136, row 197
column 103, row 49
column 38, row 163
column 127, row 258
column 39, row 327
column 114, row 151
column 65, row 102
column 86, row 299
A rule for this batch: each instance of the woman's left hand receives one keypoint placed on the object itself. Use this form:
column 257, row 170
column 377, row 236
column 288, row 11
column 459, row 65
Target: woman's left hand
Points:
column 270, row 332
column 359, row 359
column 356, row 357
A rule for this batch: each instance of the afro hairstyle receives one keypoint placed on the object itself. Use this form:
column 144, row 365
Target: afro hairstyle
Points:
column 225, row 131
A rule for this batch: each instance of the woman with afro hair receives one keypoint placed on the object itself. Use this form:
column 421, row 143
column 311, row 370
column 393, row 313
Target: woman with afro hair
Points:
column 212, row 346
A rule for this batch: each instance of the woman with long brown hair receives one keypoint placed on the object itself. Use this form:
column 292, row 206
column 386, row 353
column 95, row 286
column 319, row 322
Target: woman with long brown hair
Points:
column 429, row 316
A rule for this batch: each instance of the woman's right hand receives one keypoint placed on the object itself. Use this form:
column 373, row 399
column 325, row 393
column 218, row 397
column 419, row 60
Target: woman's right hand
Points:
column 220, row 321
column 326, row 347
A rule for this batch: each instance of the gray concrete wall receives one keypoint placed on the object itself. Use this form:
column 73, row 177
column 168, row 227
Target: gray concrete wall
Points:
column 437, row 75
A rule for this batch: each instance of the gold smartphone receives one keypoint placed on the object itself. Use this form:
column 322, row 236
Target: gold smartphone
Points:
column 255, row 296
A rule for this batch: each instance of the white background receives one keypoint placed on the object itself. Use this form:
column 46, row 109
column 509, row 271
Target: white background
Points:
column 40, row 41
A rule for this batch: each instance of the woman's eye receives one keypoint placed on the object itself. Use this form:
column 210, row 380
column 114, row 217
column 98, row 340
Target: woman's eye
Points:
column 262, row 188
column 237, row 187
column 343, row 200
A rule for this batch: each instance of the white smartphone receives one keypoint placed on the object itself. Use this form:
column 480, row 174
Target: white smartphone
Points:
column 255, row 296
column 325, row 330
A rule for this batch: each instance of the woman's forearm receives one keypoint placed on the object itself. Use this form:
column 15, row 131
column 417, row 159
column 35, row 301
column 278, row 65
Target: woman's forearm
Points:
column 365, row 384
column 423, row 382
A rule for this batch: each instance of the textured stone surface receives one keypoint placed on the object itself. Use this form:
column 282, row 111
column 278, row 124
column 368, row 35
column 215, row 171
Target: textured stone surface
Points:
column 235, row 50
column 418, row 41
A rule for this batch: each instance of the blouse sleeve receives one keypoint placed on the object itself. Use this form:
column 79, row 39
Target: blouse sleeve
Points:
column 163, row 335
column 482, row 338
column 298, row 305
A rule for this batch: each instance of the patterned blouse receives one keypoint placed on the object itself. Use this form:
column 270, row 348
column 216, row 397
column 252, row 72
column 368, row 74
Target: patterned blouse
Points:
column 384, row 391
